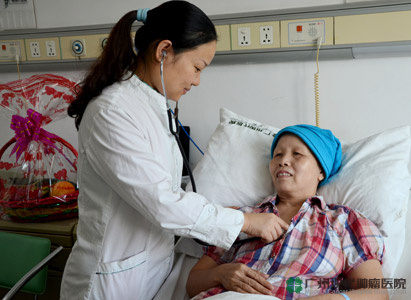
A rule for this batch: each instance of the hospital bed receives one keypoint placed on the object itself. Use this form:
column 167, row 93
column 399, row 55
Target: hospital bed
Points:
column 374, row 179
column 174, row 287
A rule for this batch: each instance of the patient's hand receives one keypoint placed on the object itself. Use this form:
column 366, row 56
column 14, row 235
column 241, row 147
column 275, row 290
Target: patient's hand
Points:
column 240, row 278
column 236, row 277
column 268, row 226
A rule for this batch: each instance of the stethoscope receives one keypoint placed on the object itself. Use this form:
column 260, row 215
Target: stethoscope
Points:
column 174, row 126
column 175, row 131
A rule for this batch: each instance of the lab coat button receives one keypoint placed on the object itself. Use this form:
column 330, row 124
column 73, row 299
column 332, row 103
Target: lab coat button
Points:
column 211, row 209
column 175, row 188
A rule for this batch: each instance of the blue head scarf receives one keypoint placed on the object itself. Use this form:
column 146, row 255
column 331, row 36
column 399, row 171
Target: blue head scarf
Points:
column 322, row 143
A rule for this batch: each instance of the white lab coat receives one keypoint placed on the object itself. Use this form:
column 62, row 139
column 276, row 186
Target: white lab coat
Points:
column 131, row 203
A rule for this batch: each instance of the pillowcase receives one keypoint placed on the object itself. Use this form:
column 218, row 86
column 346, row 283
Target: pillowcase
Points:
column 374, row 177
column 234, row 169
column 374, row 180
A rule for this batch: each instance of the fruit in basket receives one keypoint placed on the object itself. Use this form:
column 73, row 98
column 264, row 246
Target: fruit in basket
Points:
column 62, row 188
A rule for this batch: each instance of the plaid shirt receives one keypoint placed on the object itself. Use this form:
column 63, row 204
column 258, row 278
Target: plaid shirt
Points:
column 322, row 245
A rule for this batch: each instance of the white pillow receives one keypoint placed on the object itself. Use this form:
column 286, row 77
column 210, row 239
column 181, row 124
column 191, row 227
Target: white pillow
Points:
column 374, row 178
column 234, row 168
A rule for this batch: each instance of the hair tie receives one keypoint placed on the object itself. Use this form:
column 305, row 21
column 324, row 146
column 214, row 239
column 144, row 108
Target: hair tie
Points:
column 142, row 15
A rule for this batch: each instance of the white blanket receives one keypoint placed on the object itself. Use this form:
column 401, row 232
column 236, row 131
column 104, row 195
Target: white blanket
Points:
column 235, row 296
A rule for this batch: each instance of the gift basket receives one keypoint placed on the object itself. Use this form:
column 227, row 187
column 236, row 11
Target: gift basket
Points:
column 38, row 169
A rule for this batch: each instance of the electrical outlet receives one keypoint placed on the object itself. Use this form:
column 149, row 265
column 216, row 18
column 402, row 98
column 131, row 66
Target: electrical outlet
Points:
column 35, row 49
column 244, row 36
column 78, row 47
column 248, row 36
column 51, row 48
column 266, row 35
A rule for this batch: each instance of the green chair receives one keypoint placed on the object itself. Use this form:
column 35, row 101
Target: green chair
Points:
column 23, row 262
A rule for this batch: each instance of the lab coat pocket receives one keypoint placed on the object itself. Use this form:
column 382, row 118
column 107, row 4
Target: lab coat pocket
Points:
column 123, row 279
column 122, row 265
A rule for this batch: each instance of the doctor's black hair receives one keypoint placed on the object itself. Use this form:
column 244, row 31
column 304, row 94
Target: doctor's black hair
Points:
column 181, row 22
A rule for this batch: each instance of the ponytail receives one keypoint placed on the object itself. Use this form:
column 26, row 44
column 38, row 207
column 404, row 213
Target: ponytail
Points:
column 116, row 59
column 181, row 22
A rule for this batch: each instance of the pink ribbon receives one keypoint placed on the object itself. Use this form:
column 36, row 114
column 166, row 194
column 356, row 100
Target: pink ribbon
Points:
column 29, row 129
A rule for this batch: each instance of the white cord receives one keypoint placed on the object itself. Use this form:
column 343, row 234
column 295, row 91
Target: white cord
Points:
column 316, row 86
column 162, row 82
column 18, row 65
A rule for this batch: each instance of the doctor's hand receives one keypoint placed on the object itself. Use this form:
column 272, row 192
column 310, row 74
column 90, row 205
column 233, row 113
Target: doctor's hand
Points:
column 268, row 226
column 240, row 278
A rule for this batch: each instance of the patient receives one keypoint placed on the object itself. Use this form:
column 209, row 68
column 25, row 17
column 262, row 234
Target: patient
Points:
column 325, row 247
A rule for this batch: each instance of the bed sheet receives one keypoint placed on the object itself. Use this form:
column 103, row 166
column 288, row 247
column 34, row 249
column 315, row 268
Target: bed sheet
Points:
column 235, row 296
column 174, row 288
column 403, row 270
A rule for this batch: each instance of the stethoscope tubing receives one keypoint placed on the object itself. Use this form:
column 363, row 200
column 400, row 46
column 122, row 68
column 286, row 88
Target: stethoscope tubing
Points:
column 175, row 132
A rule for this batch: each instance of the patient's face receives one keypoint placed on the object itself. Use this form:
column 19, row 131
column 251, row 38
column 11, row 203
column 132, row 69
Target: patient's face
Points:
column 294, row 169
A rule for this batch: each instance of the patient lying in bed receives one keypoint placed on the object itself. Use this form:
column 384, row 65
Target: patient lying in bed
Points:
column 326, row 249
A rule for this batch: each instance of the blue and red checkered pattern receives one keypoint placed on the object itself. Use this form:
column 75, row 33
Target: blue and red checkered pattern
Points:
column 321, row 246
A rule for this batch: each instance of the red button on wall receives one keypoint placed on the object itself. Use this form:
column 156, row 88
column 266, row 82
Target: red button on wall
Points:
column 299, row 28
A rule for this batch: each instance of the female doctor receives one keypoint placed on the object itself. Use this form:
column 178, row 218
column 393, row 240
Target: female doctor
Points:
column 129, row 171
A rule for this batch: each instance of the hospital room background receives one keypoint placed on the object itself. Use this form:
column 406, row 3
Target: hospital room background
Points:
column 359, row 96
